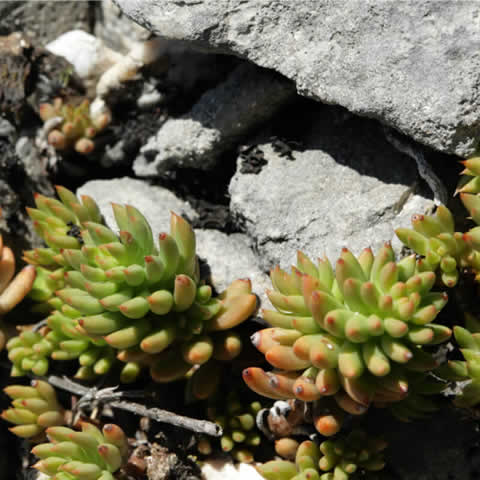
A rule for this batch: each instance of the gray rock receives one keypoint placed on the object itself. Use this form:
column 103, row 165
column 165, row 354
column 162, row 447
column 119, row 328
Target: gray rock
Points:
column 116, row 29
column 413, row 65
column 44, row 20
column 230, row 257
column 348, row 187
column 155, row 203
column 224, row 114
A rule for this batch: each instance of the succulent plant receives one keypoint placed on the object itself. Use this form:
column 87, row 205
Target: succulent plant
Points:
column 240, row 434
column 286, row 447
column 339, row 458
column 124, row 293
column 26, row 356
column 352, row 333
column 434, row 237
column 89, row 454
column 13, row 288
column 468, row 370
column 33, row 409
column 344, row 456
column 77, row 128
column 205, row 379
column 470, row 182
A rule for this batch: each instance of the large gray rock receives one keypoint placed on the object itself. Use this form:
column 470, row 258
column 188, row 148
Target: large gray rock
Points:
column 155, row 203
column 348, row 187
column 246, row 99
column 413, row 65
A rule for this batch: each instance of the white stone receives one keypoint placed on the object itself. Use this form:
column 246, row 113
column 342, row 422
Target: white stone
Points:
column 222, row 470
column 88, row 55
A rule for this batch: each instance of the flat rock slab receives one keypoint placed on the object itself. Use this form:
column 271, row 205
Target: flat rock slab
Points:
column 347, row 188
column 413, row 65
column 155, row 203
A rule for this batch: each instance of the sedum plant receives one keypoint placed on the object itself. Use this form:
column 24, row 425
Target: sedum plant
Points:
column 351, row 333
column 240, row 435
column 467, row 370
column 77, row 126
column 33, row 409
column 205, row 380
column 344, row 456
column 334, row 459
column 90, row 454
column 434, row 236
column 120, row 294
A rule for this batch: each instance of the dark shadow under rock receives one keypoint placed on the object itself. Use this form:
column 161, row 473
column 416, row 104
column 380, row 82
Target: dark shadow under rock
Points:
column 443, row 447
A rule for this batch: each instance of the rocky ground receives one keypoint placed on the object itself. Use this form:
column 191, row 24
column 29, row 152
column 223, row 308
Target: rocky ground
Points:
column 272, row 126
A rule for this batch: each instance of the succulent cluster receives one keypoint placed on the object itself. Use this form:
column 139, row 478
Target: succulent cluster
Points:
column 469, row 185
column 468, row 370
column 351, row 334
column 338, row 458
column 340, row 339
column 77, row 126
column 89, row 454
column 434, row 236
column 33, row 409
column 240, row 435
column 121, row 295
column 13, row 288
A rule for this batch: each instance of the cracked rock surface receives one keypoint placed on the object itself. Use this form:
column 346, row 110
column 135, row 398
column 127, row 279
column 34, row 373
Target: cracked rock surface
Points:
column 348, row 187
column 413, row 65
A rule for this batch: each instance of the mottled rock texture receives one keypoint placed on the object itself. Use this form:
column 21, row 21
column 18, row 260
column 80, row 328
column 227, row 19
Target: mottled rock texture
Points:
column 344, row 185
column 413, row 65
